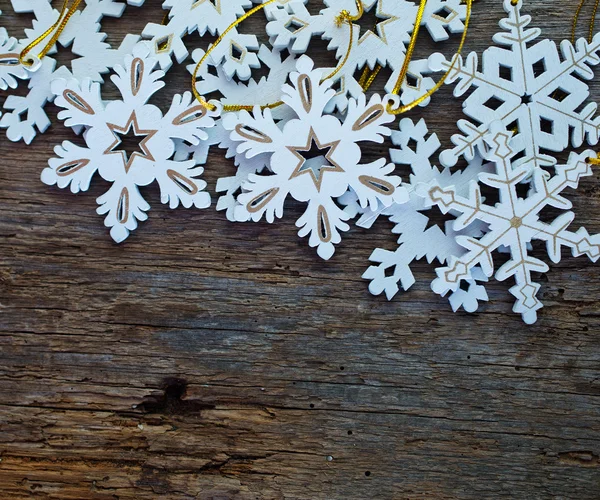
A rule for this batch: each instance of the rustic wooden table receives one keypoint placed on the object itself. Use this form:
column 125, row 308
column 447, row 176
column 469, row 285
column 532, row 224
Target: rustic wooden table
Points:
column 209, row 360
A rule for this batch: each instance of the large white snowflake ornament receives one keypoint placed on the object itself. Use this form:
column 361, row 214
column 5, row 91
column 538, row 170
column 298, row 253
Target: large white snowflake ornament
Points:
column 513, row 222
column 108, row 126
column 418, row 238
column 93, row 58
column 314, row 158
column 378, row 40
column 528, row 85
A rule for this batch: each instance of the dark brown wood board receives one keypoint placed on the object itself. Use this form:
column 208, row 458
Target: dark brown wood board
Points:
column 210, row 360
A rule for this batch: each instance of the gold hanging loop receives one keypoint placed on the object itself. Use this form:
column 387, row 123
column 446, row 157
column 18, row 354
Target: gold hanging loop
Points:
column 33, row 62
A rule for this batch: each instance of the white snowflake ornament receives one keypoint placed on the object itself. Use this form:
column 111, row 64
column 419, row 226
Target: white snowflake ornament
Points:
column 108, row 123
column 418, row 238
column 530, row 87
column 314, row 158
column 513, row 222
column 26, row 116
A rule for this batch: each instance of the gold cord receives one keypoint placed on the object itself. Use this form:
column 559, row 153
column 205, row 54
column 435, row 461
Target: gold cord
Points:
column 576, row 21
column 58, row 27
column 344, row 17
column 409, row 53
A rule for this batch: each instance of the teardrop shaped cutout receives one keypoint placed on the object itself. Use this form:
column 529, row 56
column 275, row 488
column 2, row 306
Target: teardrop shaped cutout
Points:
column 71, row 167
column 185, row 184
column 379, row 185
column 190, row 115
column 305, row 91
column 368, row 117
column 123, row 207
column 258, row 203
column 137, row 73
column 324, row 228
column 77, row 101
column 252, row 134
column 9, row 59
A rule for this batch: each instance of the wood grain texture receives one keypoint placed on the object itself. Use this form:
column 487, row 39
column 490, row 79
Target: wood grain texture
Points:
column 209, row 360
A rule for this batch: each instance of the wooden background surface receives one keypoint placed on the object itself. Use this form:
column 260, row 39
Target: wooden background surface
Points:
column 208, row 360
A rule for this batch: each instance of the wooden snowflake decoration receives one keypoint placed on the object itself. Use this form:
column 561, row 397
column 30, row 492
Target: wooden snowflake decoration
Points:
column 513, row 222
column 528, row 86
column 314, row 158
column 418, row 238
column 93, row 57
column 109, row 125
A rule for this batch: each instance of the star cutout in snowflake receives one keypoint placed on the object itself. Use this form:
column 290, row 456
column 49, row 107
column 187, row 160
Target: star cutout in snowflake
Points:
column 513, row 222
column 529, row 87
column 131, row 129
column 293, row 175
column 315, row 159
column 107, row 123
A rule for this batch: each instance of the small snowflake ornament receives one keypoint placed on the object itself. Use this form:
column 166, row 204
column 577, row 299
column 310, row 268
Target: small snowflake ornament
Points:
column 513, row 222
column 314, row 158
column 417, row 238
column 530, row 87
column 94, row 57
column 107, row 124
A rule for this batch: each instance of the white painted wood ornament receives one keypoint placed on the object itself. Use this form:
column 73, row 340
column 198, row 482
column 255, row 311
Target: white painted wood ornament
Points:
column 314, row 158
column 417, row 238
column 379, row 37
column 514, row 222
column 25, row 116
column 526, row 84
column 107, row 124
column 237, row 56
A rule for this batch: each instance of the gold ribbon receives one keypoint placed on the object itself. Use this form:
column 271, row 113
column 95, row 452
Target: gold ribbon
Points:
column 58, row 27
column 592, row 20
column 344, row 17
column 411, row 47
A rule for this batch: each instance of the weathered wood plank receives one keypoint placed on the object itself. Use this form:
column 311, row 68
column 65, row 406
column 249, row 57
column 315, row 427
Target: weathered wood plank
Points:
column 209, row 360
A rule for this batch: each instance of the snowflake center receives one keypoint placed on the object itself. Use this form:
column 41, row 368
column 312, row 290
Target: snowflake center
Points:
column 516, row 222
column 130, row 141
column 372, row 22
column 314, row 159
column 526, row 99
